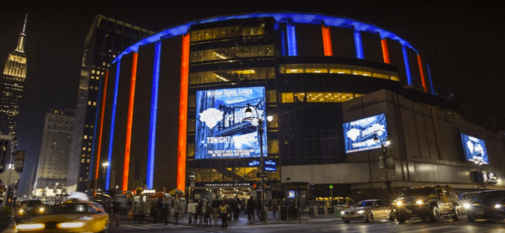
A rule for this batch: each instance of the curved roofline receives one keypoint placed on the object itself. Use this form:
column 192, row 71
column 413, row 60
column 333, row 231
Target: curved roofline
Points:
column 286, row 16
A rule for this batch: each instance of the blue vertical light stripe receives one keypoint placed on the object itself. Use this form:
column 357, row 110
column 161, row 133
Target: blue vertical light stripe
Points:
column 359, row 47
column 283, row 43
column 292, row 49
column 407, row 66
column 429, row 76
column 112, row 123
column 154, row 112
column 95, row 127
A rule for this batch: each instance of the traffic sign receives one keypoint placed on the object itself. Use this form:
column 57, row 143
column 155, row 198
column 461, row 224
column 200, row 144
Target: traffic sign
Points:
column 260, row 175
column 10, row 176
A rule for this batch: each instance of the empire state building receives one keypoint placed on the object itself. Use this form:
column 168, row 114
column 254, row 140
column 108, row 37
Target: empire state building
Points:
column 11, row 86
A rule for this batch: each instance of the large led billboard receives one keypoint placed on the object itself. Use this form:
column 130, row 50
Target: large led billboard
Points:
column 475, row 149
column 359, row 135
column 226, row 125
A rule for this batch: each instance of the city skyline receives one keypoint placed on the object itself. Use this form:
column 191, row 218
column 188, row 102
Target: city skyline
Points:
column 58, row 31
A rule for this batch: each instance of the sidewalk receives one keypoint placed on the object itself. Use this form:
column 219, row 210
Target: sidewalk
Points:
column 242, row 221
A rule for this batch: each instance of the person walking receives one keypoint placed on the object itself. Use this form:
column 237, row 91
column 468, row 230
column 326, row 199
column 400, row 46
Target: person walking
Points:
column 259, row 210
column 215, row 207
column 297, row 208
column 199, row 212
column 166, row 210
column 251, row 205
column 224, row 209
column 115, row 211
column 207, row 213
column 135, row 209
column 159, row 208
column 274, row 208
column 234, row 207
column 191, row 210
column 153, row 213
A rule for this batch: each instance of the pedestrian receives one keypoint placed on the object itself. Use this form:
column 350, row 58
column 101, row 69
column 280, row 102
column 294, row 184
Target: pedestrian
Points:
column 224, row 209
column 259, row 209
column 191, row 210
column 207, row 213
column 274, row 208
column 234, row 209
column 296, row 208
column 115, row 211
column 153, row 213
column 251, row 205
column 215, row 207
column 159, row 208
column 199, row 211
column 166, row 210
column 178, row 209
column 243, row 207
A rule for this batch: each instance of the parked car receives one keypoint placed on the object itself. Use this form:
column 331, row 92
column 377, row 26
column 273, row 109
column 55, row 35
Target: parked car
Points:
column 431, row 203
column 368, row 210
column 484, row 205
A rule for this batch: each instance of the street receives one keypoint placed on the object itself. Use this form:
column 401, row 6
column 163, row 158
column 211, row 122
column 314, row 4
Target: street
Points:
column 411, row 226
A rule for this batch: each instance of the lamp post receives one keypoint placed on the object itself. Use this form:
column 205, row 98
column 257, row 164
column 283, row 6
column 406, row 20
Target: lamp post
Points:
column 258, row 123
column 385, row 148
column 105, row 165
column 480, row 163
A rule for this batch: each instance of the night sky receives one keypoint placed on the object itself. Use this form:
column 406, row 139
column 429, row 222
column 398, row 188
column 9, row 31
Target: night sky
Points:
column 463, row 43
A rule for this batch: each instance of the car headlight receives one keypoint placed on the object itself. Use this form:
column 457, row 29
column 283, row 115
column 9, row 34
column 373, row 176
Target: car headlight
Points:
column 497, row 206
column 399, row 203
column 342, row 212
column 30, row 227
column 361, row 212
column 41, row 210
column 466, row 205
column 70, row 225
column 21, row 211
column 419, row 202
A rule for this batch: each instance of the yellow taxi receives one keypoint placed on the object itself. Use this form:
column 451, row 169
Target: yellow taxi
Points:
column 71, row 216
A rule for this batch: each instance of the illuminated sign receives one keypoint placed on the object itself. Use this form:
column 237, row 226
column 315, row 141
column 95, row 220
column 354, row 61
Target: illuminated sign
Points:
column 490, row 177
column 359, row 135
column 254, row 163
column 148, row 191
column 224, row 129
column 270, row 169
column 270, row 163
column 475, row 149
column 234, row 184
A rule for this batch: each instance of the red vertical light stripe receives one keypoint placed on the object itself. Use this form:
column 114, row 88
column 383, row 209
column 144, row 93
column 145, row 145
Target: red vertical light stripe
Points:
column 101, row 125
column 385, row 51
column 328, row 50
column 422, row 72
column 183, row 118
column 126, row 168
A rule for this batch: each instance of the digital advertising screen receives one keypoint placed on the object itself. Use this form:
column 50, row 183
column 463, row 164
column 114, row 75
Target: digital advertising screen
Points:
column 224, row 129
column 359, row 135
column 475, row 149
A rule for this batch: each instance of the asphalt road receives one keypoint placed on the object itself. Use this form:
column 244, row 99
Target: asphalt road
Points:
column 411, row 226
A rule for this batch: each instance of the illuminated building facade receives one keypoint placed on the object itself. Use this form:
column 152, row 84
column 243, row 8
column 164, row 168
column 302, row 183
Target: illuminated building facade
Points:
column 54, row 154
column 11, row 86
column 309, row 65
column 106, row 38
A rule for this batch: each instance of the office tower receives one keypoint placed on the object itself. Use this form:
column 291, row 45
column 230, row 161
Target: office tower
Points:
column 106, row 38
column 11, row 86
column 55, row 152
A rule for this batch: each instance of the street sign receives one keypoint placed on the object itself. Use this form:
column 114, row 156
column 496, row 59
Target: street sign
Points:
column 270, row 169
column 270, row 163
column 10, row 176
column 260, row 175
column 254, row 163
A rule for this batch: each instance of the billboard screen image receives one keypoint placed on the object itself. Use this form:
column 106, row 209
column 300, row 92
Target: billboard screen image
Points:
column 223, row 129
column 475, row 149
column 359, row 135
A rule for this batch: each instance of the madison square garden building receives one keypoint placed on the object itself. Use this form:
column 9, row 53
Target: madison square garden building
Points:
column 186, row 100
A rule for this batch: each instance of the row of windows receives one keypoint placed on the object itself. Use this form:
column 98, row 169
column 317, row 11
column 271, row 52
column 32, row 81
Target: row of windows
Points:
column 93, row 88
column 97, row 72
column 92, row 103
column 86, row 137
column 231, row 75
column 233, row 52
column 337, row 69
column 85, row 161
column 226, row 32
column 322, row 97
column 97, row 78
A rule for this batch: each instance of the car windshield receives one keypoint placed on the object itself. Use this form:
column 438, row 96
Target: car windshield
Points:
column 363, row 204
column 418, row 192
column 71, row 208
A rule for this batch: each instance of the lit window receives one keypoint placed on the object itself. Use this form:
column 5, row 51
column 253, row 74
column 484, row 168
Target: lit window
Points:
column 287, row 98
column 92, row 77
column 94, row 104
column 92, row 71
column 89, row 149
column 89, row 102
column 83, row 160
column 85, row 136
column 104, row 64
column 83, row 155
column 84, row 149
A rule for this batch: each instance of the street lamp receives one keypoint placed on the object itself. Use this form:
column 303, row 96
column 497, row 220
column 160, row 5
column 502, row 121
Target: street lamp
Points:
column 105, row 165
column 480, row 163
column 258, row 123
column 389, row 163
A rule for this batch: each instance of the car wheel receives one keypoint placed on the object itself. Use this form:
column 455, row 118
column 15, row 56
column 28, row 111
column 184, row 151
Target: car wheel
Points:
column 400, row 216
column 435, row 214
column 369, row 216
column 470, row 216
column 392, row 215
column 347, row 221
column 457, row 213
